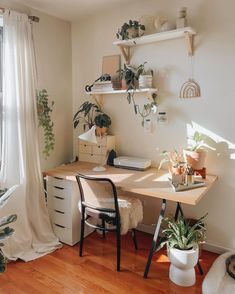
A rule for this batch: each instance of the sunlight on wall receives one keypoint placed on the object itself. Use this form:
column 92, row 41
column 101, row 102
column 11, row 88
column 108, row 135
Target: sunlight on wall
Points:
column 213, row 138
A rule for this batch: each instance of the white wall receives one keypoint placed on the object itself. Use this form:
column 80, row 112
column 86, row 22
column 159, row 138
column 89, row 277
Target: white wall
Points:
column 52, row 38
column 213, row 113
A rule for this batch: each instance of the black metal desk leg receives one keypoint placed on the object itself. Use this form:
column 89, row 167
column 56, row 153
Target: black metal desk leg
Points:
column 179, row 209
column 155, row 237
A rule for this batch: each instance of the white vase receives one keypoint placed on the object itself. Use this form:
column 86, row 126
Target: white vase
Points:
column 182, row 270
column 145, row 81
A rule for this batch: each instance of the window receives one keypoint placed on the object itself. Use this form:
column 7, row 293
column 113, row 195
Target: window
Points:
column 1, row 37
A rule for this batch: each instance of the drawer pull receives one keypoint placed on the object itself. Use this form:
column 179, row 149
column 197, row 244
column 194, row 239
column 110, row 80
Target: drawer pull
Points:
column 59, row 211
column 57, row 197
column 58, row 178
column 60, row 188
column 59, row 226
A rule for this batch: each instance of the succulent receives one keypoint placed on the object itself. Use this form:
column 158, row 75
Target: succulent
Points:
column 179, row 234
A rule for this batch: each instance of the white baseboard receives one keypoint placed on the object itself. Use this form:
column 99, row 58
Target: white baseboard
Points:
column 146, row 228
column 216, row 248
column 207, row 246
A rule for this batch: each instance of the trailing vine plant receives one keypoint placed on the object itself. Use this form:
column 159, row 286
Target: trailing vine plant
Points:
column 44, row 110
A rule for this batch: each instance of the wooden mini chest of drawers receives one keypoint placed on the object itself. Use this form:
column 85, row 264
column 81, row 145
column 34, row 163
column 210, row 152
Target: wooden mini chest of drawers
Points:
column 96, row 153
column 63, row 203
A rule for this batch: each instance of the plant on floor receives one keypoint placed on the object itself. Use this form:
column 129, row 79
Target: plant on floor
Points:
column 182, row 246
column 130, row 30
column 179, row 234
column 5, row 230
column 44, row 110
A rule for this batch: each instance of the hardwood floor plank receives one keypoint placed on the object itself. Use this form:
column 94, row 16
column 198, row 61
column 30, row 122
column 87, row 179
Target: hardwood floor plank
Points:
column 64, row 272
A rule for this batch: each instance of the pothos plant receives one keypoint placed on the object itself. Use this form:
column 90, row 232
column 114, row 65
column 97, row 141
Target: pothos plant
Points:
column 131, row 76
column 44, row 110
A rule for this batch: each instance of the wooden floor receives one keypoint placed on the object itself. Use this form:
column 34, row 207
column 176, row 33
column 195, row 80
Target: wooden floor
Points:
column 65, row 272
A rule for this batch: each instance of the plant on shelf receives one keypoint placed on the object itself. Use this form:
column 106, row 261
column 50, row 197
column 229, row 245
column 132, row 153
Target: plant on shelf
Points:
column 102, row 122
column 130, row 30
column 131, row 74
column 182, row 241
column 174, row 160
column 195, row 154
column 44, row 109
column 91, row 114
column 5, row 230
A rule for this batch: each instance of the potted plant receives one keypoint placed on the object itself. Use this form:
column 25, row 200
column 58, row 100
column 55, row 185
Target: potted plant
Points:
column 5, row 230
column 146, row 78
column 174, row 161
column 130, row 74
column 195, row 154
column 91, row 114
column 44, row 109
column 130, row 30
column 86, row 113
column 182, row 246
column 102, row 122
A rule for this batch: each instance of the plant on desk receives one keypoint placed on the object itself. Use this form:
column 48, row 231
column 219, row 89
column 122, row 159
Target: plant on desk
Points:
column 91, row 114
column 102, row 122
column 174, row 161
column 182, row 241
column 195, row 154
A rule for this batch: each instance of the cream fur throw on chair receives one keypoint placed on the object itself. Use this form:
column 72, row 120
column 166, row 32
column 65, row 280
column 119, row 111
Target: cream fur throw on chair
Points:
column 131, row 213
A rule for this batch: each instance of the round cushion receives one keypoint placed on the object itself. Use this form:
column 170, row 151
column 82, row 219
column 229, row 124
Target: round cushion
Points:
column 217, row 280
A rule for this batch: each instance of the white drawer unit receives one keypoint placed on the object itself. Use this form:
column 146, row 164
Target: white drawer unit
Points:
column 63, row 198
column 96, row 153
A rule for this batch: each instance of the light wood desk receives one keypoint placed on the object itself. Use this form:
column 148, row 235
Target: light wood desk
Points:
column 152, row 183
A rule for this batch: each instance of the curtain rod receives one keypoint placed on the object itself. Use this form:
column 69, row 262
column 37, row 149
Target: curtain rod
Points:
column 31, row 17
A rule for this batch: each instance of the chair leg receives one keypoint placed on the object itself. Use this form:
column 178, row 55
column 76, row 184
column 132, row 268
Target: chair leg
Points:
column 133, row 233
column 118, row 236
column 82, row 231
column 103, row 225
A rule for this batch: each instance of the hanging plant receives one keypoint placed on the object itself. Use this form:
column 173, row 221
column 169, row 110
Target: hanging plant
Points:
column 44, row 110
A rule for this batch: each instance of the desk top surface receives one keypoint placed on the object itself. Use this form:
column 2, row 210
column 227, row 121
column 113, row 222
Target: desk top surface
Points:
column 152, row 182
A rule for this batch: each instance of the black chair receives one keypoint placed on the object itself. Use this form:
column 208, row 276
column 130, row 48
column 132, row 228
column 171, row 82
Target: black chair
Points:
column 99, row 201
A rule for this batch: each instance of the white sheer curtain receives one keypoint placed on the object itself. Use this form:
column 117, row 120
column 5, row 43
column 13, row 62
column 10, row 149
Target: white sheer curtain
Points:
column 20, row 155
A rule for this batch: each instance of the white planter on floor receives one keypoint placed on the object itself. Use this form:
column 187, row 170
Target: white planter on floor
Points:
column 182, row 270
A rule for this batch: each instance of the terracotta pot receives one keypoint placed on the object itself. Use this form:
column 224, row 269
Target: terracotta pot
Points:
column 196, row 159
column 101, row 131
column 123, row 85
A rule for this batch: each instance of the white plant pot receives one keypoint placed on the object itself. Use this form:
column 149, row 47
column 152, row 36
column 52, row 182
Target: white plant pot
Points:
column 145, row 81
column 182, row 270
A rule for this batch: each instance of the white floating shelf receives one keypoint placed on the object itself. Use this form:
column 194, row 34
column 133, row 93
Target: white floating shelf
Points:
column 147, row 39
column 145, row 90
column 98, row 95
column 186, row 33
